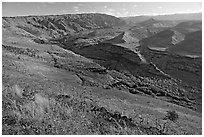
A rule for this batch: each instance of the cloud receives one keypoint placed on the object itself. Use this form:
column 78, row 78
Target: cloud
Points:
column 63, row 11
column 160, row 7
column 44, row 5
column 111, row 10
column 135, row 6
column 38, row 7
column 76, row 8
column 126, row 13
column 122, row 14
column 93, row 11
column 48, row 4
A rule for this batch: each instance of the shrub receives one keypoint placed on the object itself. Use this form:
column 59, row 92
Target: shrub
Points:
column 172, row 115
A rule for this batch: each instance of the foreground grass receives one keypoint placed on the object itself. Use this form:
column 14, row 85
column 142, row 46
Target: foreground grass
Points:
column 30, row 113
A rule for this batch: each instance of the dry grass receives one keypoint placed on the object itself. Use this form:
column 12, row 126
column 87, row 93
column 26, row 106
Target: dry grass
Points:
column 61, row 114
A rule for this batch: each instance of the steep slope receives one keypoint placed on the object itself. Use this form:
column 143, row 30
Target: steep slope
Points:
column 160, row 41
column 188, row 26
column 191, row 46
column 117, row 39
column 124, row 37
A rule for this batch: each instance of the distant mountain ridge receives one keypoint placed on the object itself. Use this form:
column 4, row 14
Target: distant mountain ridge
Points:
column 67, row 23
column 185, row 16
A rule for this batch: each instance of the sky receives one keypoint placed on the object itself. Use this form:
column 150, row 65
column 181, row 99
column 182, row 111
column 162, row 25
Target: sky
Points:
column 118, row 9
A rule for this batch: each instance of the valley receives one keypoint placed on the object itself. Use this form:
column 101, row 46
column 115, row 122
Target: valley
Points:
column 99, row 74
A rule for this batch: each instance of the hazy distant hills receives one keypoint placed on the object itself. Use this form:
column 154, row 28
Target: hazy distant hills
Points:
column 187, row 16
column 184, row 36
column 157, row 23
column 151, row 27
column 189, row 26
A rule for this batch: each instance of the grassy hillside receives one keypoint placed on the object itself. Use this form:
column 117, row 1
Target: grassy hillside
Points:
column 74, row 84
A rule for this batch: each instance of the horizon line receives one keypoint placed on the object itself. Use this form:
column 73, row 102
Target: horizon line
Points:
column 154, row 14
